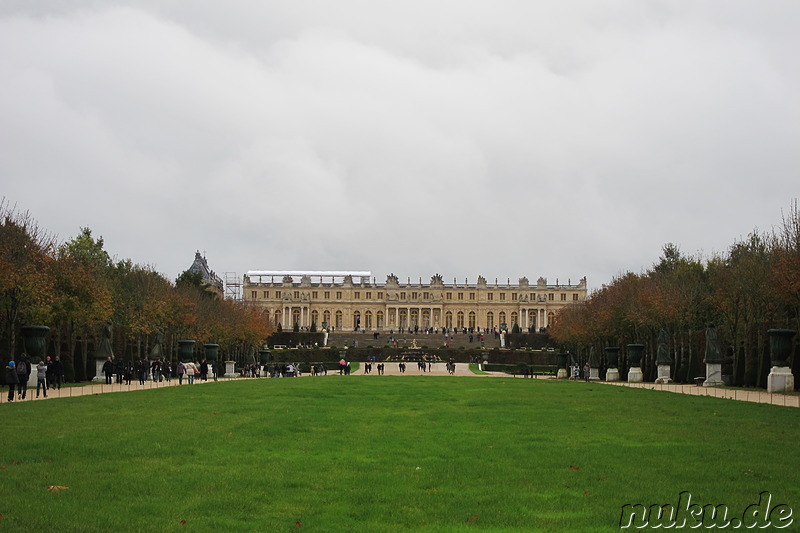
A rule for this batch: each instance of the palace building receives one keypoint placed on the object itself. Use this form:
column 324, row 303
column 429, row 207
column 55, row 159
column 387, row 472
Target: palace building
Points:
column 352, row 300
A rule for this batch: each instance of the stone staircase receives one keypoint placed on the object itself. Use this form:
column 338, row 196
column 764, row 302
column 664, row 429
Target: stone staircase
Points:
column 343, row 338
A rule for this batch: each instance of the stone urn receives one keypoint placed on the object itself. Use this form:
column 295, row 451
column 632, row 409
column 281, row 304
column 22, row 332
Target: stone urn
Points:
column 612, row 356
column 212, row 352
column 263, row 356
column 561, row 359
column 780, row 345
column 635, row 363
column 186, row 350
column 34, row 339
column 635, row 352
column 612, row 361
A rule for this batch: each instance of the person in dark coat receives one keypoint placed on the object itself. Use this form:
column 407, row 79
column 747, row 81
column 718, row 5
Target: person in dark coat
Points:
column 55, row 373
column 108, row 370
column 12, row 379
column 23, row 366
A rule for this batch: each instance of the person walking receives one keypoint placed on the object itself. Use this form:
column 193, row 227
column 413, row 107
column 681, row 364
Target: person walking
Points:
column 181, row 370
column 12, row 379
column 41, row 378
column 108, row 370
column 586, row 371
column 191, row 370
column 23, row 365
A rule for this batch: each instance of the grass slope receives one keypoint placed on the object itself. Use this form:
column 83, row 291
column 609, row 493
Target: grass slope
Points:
column 384, row 454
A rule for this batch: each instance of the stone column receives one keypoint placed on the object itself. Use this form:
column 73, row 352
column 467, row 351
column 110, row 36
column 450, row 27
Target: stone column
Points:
column 780, row 377
column 635, row 363
column 612, row 359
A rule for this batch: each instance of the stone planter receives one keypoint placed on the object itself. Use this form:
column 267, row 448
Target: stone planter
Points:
column 562, row 366
column 212, row 352
column 34, row 339
column 635, row 352
column 263, row 356
column 780, row 378
column 612, row 361
column 780, row 345
column 186, row 350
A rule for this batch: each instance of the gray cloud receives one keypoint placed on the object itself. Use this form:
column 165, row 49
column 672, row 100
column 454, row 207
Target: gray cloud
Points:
column 559, row 139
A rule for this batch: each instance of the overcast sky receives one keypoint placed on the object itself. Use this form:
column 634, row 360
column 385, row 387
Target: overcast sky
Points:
column 499, row 138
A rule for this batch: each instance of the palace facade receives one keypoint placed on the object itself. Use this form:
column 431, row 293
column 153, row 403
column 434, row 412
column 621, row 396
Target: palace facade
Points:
column 352, row 300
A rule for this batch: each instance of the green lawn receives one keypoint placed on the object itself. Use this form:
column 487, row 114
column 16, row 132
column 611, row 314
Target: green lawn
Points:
column 384, row 454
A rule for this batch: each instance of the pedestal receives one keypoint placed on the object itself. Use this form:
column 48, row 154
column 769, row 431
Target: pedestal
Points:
column 635, row 375
column 99, row 376
column 663, row 374
column 503, row 342
column 562, row 373
column 780, row 379
column 594, row 374
column 230, row 371
column 713, row 375
column 612, row 374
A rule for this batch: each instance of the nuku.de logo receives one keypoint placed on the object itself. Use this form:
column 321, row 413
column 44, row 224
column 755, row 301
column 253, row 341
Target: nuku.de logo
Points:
column 686, row 514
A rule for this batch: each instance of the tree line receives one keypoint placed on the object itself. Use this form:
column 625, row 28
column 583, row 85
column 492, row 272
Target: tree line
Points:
column 75, row 288
column 752, row 287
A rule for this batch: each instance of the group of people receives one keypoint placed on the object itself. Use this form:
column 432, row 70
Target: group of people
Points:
column 379, row 367
column 49, row 375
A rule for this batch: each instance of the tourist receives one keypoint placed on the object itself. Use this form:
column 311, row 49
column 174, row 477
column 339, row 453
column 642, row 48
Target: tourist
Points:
column 144, row 370
column 12, row 379
column 586, row 371
column 181, row 370
column 108, row 370
column 191, row 370
column 119, row 368
column 128, row 372
column 51, row 373
column 41, row 378
column 23, row 374
column 167, row 371
column 204, row 370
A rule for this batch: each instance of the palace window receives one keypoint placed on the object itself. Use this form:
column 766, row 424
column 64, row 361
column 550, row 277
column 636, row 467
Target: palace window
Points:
column 357, row 320
column 266, row 294
column 448, row 320
column 471, row 297
column 550, row 296
column 315, row 318
column 277, row 294
column 563, row 297
column 460, row 319
column 490, row 320
column 380, row 296
column 449, row 295
column 338, row 295
column 369, row 295
column 460, row 295
column 514, row 319
column 502, row 317
column 368, row 320
column 326, row 317
column 502, row 296
column 357, row 295
column 379, row 319
column 514, row 297
column 490, row 296
column 471, row 319
column 338, row 320
column 327, row 295
column 575, row 297
column 402, row 296
column 314, row 294
column 297, row 294
column 413, row 295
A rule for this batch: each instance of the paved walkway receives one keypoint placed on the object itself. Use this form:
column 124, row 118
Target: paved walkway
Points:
column 744, row 395
column 437, row 369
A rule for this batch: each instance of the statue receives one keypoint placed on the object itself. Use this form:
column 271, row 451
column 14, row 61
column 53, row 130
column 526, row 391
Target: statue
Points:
column 437, row 280
column 594, row 362
column 713, row 354
column 104, row 349
column 663, row 356
column 155, row 353
column 391, row 279
column 481, row 280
